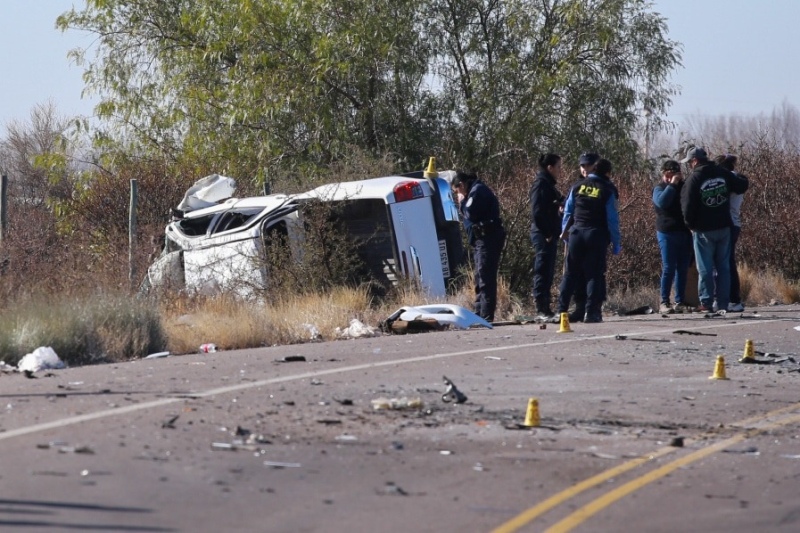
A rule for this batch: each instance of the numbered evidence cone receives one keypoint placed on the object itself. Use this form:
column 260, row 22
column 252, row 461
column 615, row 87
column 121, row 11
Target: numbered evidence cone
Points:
column 564, row 328
column 749, row 353
column 532, row 414
column 719, row 369
column 430, row 172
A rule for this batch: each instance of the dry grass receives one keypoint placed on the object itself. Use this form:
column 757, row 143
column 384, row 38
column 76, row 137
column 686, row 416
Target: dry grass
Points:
column 95, row 329
column 621, row 301
column 763, row 287
column 233, row 324
column 85, row 330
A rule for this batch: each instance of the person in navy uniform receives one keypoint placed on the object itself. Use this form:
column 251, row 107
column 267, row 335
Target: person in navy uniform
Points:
column 591, row 222
column 480, row 210
column 547, row 203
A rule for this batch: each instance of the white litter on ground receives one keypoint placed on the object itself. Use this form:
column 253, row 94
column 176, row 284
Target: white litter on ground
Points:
column 355, row 330
column 42, row 358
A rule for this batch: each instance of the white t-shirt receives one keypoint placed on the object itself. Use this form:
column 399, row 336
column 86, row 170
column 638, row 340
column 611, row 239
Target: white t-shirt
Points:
column 736, row 208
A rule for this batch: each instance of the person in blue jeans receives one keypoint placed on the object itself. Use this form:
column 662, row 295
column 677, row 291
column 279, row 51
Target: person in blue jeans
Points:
column 705, row 203
column 674, row 238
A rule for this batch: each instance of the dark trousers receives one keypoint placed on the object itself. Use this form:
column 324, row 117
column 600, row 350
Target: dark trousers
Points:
column 544, row 266
column 486, row 254
column 585, row 264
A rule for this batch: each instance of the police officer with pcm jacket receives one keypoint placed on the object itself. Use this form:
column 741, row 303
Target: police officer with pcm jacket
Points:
column 591, row 209
column 480, row 210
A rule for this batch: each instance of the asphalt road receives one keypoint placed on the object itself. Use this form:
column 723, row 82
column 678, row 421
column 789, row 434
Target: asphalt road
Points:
column 633, row 434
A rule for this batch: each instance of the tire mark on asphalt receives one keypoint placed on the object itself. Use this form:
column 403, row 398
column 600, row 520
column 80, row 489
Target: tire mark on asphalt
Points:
column 118, row 411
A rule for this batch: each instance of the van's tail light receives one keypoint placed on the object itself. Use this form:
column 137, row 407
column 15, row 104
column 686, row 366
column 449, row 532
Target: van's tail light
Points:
column 408, row 190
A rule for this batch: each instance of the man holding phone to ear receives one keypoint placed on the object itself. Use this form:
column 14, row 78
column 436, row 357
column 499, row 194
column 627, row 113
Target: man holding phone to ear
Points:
column 674, row 238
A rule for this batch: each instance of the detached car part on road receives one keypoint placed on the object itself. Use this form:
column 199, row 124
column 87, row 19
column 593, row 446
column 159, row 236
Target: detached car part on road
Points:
column 403, row 226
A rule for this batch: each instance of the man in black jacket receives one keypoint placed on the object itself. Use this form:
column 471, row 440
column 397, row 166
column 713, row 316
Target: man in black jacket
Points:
column 705, row 203
column 546, row 207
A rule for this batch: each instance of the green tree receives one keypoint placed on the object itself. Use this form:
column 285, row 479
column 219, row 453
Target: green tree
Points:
column 285, row 87
column 523, row 76
column 257, row 87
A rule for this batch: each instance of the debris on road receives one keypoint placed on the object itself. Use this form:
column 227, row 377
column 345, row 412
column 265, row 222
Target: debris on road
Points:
column 208, row 347
column 157, row 355
column 625, row 337
column 452, row 394
column 687, row 332
column 432, row 317
column 170, row 424
column 291, row 359
column 397, row 403
column 277, row 464
column 393, row 490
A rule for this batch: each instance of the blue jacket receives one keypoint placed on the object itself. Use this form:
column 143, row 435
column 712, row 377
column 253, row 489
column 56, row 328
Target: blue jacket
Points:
column 592, row 203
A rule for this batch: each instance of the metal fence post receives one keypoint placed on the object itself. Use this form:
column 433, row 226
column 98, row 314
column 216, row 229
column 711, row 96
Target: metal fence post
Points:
column 132, row 232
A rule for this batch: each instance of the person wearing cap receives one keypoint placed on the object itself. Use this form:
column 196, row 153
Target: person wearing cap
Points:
column 728, row 161
column 587, row 164
column 546, row 206
column 674, row 238
column 705, row 203
column 480, row 211
column 591, row 223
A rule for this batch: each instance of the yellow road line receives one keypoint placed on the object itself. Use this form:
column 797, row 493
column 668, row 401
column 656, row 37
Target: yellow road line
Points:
column 594, row 507
column 557, row 499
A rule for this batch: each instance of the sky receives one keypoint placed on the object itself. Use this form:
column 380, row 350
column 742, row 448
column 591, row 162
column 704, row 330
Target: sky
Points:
column 738, row 57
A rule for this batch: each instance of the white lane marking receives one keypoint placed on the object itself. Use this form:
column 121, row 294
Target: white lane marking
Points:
column 118, row 411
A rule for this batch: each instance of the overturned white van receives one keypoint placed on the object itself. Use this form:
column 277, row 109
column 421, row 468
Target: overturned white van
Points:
column 403, row 226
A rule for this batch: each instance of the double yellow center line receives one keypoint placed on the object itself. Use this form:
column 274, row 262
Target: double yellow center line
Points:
column 584, row 513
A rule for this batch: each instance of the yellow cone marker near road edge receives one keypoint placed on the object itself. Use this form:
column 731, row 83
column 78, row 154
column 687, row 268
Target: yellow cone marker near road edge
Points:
column 564, row 327
column 749, row 353
column 719, row 369
column 532, row 414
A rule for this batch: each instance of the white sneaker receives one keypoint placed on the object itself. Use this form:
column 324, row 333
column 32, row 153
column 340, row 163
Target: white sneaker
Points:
column 714, row 306
column 735, row 308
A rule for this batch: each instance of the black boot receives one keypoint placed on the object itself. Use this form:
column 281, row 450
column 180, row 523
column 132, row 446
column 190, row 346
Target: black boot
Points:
column 593, row 316
column 578, row 314
column 543, row 310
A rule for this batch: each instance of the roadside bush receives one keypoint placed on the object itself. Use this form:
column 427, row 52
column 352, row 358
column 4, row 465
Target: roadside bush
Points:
column 82, row 330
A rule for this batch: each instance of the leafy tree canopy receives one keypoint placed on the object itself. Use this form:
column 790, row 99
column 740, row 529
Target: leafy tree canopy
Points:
column 271, row 89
